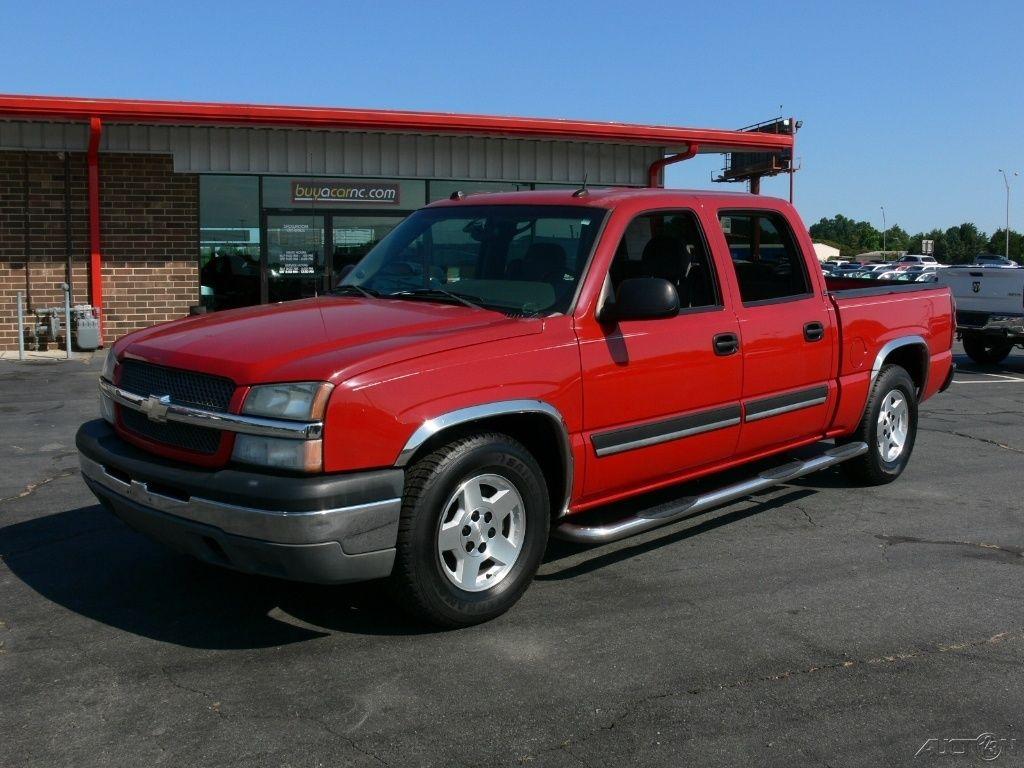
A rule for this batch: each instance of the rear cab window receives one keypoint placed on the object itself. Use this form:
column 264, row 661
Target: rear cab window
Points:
column 768, row 262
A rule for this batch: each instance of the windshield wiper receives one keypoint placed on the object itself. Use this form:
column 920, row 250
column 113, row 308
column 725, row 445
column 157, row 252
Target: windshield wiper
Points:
column 358, row 289
column 437, row 293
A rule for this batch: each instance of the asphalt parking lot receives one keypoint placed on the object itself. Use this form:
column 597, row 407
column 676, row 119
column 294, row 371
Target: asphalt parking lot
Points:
column 813, row 625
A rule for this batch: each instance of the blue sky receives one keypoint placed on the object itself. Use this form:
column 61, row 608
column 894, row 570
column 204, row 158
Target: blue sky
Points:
column 912, row 106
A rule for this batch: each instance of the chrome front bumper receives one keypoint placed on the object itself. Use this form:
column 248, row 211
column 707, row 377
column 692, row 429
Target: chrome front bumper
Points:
column 324, row 529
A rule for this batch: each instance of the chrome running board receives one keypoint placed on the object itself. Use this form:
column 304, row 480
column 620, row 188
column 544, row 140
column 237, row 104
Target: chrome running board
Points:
column 667, row 513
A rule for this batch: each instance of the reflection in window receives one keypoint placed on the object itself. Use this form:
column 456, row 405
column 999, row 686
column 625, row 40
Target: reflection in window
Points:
column 229, row 241
column 765, row 255
column 668, row 245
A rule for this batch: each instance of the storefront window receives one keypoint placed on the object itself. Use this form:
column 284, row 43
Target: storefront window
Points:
column 229, row 241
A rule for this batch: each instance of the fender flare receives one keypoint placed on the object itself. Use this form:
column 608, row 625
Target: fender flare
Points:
column 461, row 416
column 903, row 341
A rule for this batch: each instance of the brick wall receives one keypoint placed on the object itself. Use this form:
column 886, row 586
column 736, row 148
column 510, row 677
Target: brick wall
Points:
column 149, row 218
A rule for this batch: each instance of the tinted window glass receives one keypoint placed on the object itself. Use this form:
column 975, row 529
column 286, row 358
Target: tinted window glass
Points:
column 764, row 253
column 520, row 259
column 229, row 241
column 669, row 245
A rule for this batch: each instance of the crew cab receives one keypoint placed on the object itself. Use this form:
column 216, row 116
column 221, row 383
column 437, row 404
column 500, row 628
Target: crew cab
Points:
column 503, row 367
column 989, row 309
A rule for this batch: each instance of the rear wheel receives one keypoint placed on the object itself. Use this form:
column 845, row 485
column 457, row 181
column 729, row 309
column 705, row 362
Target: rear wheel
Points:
column 473, row 530
column 986, row 350
column 889, row 428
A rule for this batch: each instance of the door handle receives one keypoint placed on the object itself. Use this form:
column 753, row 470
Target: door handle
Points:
column 726, row 344
column 814, row 331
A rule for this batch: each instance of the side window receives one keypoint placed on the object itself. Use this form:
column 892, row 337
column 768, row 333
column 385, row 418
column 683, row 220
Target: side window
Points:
column 669, row 245
column 765, row 255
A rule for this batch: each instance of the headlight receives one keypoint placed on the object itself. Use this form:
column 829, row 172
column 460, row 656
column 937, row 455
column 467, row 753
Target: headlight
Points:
column 296, row 455
column 302, row 400
column 109, row 363
column 106, row 404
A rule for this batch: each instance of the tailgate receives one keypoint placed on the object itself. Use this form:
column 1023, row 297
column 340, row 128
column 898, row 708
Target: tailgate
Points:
column 985, row 291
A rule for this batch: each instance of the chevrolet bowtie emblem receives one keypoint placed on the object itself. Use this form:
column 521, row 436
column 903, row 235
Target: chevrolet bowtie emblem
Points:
column 156, row 407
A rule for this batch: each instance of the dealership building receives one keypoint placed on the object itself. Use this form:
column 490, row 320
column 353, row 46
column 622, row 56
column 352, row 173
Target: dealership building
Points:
column 149, row 209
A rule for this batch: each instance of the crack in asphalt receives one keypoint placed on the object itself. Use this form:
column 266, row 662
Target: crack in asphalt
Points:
column 973, row 437
column 31, row 488
column 891, row 540
column 746, row 682
column 216, row 707
column 805, row 514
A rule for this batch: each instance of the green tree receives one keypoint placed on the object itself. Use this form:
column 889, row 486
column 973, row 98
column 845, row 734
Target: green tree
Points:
column 963, row 243
column 896, row 239
column 997, row 244
column 852, row 237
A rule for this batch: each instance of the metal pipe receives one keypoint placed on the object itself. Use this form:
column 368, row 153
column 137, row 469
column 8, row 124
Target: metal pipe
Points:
column 792, row 158
column 1006, row 181
column 68, row 248
column 603, row 534
column 884, row 229
column 655, row 169
column 21, row 326
column 67, row 317
column 95, row 257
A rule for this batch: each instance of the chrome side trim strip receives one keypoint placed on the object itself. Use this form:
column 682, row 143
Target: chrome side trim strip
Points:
column 666, row 437
column 162, row 409
column 445, row 421
column 268, row 525
column 786, row 409
column 689, row 506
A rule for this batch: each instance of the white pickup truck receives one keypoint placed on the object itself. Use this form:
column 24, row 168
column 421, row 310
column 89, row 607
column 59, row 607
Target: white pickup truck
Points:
column 989, row 309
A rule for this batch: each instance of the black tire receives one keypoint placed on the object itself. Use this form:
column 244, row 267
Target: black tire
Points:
column 986, row 350
column 873, row 468
column 418, row 583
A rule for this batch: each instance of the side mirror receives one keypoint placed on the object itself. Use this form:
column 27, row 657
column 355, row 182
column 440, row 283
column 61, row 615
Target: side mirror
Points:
column 642, row 298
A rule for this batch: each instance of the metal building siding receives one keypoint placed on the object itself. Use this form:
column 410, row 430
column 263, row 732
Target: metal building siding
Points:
column 215, row 149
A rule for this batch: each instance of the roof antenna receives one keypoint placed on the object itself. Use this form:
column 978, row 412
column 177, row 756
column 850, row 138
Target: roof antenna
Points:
column 582, row 191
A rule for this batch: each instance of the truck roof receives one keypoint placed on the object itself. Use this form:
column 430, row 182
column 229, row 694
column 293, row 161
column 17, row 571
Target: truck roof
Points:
column 606, row 197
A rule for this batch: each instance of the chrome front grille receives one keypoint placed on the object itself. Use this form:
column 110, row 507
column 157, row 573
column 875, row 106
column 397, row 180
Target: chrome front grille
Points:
column 199, row 390
column 186, row 387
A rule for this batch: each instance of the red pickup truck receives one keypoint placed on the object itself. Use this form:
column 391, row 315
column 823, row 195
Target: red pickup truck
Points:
column 498, row 366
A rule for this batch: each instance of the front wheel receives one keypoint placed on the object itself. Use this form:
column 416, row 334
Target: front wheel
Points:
column 986, row 350
column 473, row 530
column 889, row 428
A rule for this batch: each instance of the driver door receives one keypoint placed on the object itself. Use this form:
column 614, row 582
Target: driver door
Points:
column 661, row 398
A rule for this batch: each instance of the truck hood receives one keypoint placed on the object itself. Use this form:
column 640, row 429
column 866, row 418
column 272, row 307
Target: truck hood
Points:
column 330, row 338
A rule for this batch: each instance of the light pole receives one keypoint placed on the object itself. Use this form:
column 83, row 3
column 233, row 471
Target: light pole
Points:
column 884, row 228
column 1006, row 181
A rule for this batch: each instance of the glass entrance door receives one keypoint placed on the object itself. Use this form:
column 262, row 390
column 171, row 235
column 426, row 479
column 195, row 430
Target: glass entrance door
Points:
column 296, row 264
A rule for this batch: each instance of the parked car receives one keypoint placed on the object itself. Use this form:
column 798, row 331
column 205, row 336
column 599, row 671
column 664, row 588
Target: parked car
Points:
column 496, row 369
column 910, row 260
column 990, row 260
column 989, row 310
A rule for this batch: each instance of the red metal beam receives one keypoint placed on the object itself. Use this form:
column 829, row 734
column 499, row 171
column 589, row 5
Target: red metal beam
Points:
column 190, row 113
column 654, row 171
column 95, row 257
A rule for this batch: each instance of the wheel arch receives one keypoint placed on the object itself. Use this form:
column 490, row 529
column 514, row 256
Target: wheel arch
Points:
column 536, row 424
column 909, row 352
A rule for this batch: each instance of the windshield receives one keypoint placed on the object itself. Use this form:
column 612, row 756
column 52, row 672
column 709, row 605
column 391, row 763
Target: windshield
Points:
column 517, row 259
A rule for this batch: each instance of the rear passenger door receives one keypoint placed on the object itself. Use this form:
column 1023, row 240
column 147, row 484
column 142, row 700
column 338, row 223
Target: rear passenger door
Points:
column 786, row 332
column 659, row 399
